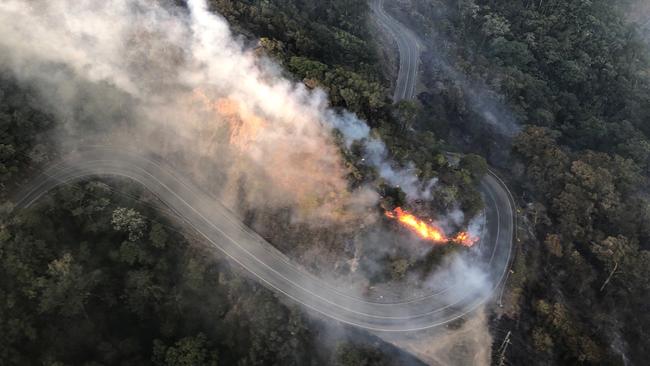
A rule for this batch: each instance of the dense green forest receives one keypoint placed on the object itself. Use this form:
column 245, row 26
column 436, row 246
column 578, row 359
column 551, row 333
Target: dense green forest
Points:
column 575, row 75
column 91, row 276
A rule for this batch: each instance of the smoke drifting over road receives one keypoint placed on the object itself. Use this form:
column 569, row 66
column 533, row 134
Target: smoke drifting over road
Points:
column 175, row 81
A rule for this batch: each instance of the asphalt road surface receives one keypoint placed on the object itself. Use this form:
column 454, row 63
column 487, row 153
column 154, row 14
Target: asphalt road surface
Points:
column 409, row 51
column 223, row 230
column 409, row 54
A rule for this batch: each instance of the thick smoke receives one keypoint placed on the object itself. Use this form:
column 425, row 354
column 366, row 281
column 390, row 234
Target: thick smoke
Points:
column 176, row 82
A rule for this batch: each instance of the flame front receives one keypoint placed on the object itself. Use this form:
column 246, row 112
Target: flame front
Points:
column 429, row 231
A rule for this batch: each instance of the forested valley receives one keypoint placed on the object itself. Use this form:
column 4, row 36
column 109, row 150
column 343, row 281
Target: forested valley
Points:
column 575, row 77
column 97, row 274
column 94, row 274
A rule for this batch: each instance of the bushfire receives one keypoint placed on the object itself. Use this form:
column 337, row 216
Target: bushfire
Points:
column 428, row 231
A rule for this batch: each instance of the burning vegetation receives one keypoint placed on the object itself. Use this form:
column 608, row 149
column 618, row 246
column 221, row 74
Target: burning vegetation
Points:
column 428, row 230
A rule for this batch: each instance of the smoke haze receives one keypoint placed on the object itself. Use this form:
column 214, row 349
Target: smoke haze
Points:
column 175, row 82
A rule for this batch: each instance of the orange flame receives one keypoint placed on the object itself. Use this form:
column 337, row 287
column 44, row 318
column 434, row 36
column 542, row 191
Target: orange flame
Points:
column 428, row 231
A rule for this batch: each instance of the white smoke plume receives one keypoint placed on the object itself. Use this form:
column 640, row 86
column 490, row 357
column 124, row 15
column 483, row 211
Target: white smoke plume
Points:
column 376, row 153
column 176, row 82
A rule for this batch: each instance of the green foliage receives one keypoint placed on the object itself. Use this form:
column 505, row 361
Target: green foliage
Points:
column 189, row 351
column 129, row 221
column 347, row 355
column 332, row 31
column 70, row 295
column 22, row 127
column 323, row 43
column 405, row 112
column 65, row 287
column 475, row 165
column 575, row 75
column 158, row 236
column 89, row 278
column 345, row 88
column 495, row 25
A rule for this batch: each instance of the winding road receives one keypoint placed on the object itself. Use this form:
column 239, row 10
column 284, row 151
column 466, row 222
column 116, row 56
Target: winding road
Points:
column 409, row 47
column 409, row 51
column 223, row 230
